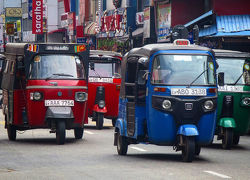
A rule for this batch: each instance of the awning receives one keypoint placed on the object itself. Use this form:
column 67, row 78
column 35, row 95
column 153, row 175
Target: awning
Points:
column 57, row 31
column 90, row 29
column 138, row 32
column 209, row 13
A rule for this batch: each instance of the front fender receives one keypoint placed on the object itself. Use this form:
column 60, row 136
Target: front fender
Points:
column 227, row 122
column 188, row 130
column 99, row 110
column 118, row 128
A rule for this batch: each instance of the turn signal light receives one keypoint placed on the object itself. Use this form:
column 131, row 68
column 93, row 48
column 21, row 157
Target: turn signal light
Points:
column 157, row 89
column 212, row 90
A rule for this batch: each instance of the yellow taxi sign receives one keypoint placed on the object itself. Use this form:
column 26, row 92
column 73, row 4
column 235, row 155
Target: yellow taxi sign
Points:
column 181, row 42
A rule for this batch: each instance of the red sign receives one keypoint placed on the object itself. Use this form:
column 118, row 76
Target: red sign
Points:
column 37, row 17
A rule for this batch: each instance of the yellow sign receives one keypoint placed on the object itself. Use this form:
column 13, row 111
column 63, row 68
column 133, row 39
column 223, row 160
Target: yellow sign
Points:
column 13, row 12
column 18, row 25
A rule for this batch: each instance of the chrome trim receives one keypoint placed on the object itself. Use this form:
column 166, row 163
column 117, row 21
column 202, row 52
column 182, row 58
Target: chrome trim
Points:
column 56, row 87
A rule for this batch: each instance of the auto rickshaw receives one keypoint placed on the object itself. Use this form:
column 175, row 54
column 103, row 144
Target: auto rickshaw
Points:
column 168, row 97
column 233, row 116
column 104, row 86
column 45, row 86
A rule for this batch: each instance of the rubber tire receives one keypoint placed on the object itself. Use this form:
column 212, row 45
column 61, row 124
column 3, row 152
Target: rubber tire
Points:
column 122, row 144
column 197, row 150
column 227, row 140
column 114, row 121
column 236, row 139
column 188, row 150
column 78, row 133
column 99, row 121
column 60, row 132
column 11, row 130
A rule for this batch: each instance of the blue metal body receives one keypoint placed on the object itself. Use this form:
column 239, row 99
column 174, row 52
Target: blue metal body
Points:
column 162, row 128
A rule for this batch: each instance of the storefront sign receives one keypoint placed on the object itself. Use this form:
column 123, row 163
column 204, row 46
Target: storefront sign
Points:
column 163, row 21
column 146, row 26
column 139, row 18
column 37, row 16
column 18, row 26
column 13, row 12
column 10, row 28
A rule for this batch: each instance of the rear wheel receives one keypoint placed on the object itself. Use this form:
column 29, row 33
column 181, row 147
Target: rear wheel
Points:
column 227, row 139
column 99, row 121
column 236, row 139
column 114, row 121
column 78, row 133
column 60, row 132
column 11, row 130
column 188, row 150
column 122, row 144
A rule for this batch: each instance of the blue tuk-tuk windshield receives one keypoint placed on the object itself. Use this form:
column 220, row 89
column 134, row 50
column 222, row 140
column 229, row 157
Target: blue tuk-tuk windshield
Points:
column 236, row 70
column 56, row 67
column 110, row 70
column 183, row 70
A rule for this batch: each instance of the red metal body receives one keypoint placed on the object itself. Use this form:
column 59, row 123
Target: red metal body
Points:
column 112, row 91
column 36, row 110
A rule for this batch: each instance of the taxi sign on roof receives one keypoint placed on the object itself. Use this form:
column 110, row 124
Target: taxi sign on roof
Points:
column 181, row 42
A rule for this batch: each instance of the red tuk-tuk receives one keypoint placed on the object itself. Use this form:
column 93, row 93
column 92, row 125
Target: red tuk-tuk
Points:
column 104, row 86
column 45, row 86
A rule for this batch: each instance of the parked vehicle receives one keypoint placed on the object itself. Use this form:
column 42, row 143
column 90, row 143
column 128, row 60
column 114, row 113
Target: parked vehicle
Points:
column 233, row 116
column 104, row 86
column 2, row 58
column 45, row 86
column 168, row 97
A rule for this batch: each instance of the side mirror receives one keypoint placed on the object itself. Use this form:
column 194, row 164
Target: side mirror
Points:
column 92, row 66
column 142, row 77
column 221, row 79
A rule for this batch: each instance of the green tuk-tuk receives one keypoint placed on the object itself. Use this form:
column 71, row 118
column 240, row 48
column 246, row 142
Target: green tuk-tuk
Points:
column 233, row 115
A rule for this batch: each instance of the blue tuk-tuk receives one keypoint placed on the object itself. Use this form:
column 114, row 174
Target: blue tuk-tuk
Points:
column 168, row 96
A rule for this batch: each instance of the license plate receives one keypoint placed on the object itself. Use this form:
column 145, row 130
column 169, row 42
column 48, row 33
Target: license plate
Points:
column 105, row 80
column 188, row 92
column 59, row 102
column 230, row 88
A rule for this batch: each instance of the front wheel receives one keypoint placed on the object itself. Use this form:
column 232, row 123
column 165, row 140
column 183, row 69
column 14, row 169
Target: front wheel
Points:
column 227, row 139
column 122, row 144
column 236, row 139
column 78, row 133
column 60, row 132
column 188, row 150
column 99, row 121
column 11, row 130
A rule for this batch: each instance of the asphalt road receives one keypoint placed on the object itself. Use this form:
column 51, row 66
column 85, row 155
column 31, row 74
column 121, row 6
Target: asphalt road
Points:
column 35, row 155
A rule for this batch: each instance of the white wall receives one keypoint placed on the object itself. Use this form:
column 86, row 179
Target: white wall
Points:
column 12, row 3
column 52, row 16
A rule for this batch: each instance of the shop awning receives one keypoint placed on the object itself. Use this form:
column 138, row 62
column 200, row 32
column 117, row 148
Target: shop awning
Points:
column 90, row 29
column 138, row 32
column 231, row 26
column 195, row 21
column 57, row 31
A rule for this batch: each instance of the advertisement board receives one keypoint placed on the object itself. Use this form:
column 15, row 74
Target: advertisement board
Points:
column 37, row 16
column 10, row 28
column 13, row 12
column 146, row 26
column 30, row 9
column 163, row 21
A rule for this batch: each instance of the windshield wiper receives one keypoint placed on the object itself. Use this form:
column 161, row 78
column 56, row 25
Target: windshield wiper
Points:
column 59, row 74
column 197, row 78
column 238, row 78
column 97, row 74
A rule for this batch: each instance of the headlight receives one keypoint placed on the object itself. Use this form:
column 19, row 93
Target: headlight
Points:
column 101, row 104
column 81, row 96
column 166, row 104
column 246, row 101
column 208, row 105
column 37, row 96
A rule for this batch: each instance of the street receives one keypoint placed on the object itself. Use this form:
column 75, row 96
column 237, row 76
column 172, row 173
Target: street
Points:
column 35, row 155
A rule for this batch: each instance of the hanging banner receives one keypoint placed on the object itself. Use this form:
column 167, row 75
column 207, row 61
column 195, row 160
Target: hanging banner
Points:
column 163, row 21
column 146, row 25
column 30, row 9
column 37, row 17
